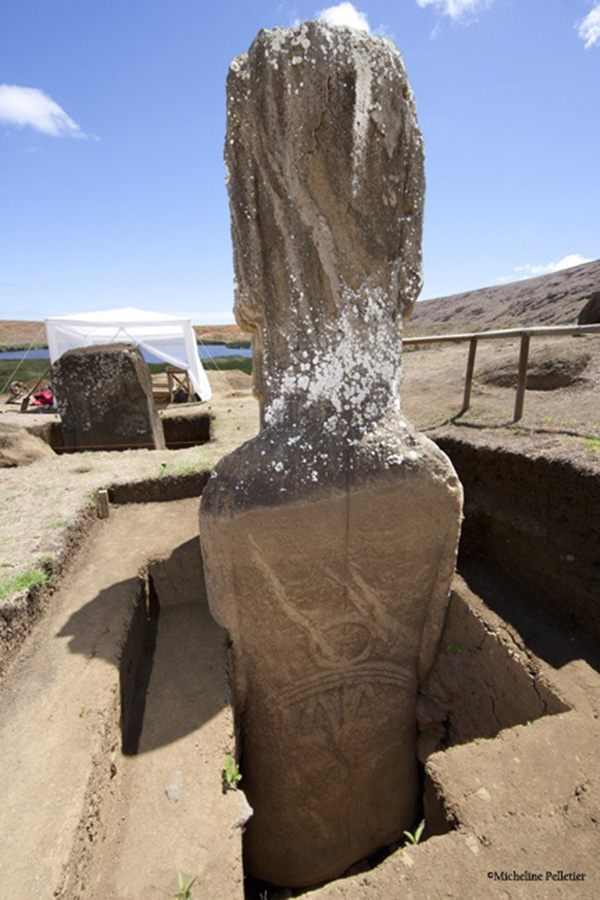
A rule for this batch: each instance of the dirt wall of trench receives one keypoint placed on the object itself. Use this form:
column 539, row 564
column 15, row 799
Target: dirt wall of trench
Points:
column 539, row 518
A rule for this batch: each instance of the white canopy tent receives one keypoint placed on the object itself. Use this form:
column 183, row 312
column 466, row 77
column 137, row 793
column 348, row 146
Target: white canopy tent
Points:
column 167, row 337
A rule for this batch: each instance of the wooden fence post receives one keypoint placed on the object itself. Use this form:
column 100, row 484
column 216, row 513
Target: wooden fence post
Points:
column 522, row 377
column 469, row 374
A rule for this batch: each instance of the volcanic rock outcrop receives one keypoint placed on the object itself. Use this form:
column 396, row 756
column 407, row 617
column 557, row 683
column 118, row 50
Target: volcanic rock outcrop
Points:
column 329, row 540
column 104, row 397
column 590, row 314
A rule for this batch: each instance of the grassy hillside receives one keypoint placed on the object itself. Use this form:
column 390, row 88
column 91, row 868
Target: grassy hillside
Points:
column 547, row 300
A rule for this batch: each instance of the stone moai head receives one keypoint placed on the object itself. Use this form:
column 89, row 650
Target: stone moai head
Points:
column 326, row 185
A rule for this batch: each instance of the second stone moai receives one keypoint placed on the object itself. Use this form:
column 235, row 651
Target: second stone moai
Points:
column 329, row 540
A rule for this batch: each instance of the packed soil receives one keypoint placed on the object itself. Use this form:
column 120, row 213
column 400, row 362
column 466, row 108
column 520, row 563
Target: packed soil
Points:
column 49, row 510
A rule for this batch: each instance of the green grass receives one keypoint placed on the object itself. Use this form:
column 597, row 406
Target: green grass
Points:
column 219, row 362
column 29, row 368
column 176, row 469
column 413, row 838
column 233, row 344
column 58, row 523
column 225, row 363
column 22, row 582
column 13, row 348
column 231, row 774
column 229, row 362
column 593, row 444
column 185, row 887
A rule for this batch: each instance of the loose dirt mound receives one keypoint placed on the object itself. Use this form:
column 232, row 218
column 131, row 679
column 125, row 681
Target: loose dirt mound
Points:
column 549, row 368
column 18, row 447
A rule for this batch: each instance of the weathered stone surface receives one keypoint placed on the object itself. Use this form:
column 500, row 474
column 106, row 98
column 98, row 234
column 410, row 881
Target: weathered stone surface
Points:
column 104, row 397
column 590, row 314
column 330, row 539
column 18, row 447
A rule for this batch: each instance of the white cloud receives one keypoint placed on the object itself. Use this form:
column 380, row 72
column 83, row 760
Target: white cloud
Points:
column 589, row 29
column 572, row 259
column 345, row 14
column 23, row 106
column 458, row 9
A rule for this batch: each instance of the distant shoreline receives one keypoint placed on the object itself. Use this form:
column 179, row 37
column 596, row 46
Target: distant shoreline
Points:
column 237, row 344
column 20, row 334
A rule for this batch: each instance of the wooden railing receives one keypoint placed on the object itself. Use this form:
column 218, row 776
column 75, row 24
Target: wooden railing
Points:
column 525, row 334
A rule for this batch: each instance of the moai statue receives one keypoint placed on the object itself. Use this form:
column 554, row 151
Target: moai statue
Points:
column 104, row 396
column 329, row 540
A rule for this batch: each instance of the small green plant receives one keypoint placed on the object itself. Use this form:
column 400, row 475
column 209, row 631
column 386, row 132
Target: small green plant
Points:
column 593, row 445
column 187, row 468
column 162, row 471
column 59, row 523
column 17, row 583
column 413, row 838
column 231, row 774
column 185, row 888
column 453, row 648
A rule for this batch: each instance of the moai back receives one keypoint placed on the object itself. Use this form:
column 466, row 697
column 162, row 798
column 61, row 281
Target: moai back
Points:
column 330, row 539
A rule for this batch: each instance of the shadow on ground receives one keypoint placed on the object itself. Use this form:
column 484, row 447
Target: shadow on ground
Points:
column 170, row 653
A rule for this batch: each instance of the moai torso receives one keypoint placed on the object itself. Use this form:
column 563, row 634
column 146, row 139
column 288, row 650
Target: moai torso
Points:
column 329, row 540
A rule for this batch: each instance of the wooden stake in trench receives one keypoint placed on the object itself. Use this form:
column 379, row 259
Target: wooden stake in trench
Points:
column 103, row 505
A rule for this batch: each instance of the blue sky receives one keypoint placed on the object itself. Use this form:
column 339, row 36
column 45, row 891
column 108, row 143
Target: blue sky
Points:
column 112, row 122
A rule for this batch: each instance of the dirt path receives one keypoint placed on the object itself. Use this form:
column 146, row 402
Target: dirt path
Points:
column 63, row 793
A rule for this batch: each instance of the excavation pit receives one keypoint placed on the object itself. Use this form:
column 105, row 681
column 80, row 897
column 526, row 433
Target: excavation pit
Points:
column 180, row 430
column 484, row 682
column 127, row 674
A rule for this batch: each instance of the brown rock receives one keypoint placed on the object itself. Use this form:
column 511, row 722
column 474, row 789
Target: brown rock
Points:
column 590, row 314
column 104, row 397
column 330, row 539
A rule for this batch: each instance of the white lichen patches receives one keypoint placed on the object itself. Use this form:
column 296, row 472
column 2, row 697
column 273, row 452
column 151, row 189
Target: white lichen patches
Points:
column 354, row 368
column 362, row 105
column 395, row 459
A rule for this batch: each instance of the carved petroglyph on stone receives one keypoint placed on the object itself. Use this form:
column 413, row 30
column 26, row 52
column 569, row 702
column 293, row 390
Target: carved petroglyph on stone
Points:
column 329, row 540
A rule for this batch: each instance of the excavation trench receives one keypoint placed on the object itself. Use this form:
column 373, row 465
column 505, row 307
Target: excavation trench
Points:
column 180, row 429
column 481, row 684
column 135, row 702
column 485, row 679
